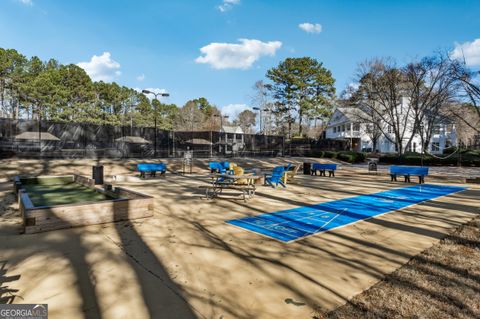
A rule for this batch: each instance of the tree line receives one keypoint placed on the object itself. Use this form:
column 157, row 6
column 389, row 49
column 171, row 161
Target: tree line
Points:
column 34, row 89
column 296, row 95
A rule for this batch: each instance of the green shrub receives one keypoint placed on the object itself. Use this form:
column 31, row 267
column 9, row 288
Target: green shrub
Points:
column 346, row 157
column 315, row 153
column 449, row 150
column 351, row 157
column 330, row 154
column 469, row 158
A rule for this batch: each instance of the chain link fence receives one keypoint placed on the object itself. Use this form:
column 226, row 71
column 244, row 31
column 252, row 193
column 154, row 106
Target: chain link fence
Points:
column 26, row 138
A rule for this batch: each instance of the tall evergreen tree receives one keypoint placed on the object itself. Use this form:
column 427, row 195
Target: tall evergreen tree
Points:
column 302, row 88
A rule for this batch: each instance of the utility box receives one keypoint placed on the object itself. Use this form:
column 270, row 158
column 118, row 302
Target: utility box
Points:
column 97, row 174
column 372, row 165
column 307, row 168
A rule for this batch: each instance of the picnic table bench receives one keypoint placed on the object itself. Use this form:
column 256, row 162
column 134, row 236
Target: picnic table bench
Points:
column 322, row 168
column 408, row 171
column 151, row 168
column 228, row 181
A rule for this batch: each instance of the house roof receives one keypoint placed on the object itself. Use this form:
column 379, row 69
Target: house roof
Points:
column 133, row 140
column 198, row 141
column 44, row 136
column 351, row 113
column 231, row 129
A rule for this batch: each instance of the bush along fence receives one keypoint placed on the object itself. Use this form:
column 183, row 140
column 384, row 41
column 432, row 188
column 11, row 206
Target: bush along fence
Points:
column 346, row 156
column 460, row 158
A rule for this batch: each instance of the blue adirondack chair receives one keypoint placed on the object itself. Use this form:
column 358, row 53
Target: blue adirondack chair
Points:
column 276, row 177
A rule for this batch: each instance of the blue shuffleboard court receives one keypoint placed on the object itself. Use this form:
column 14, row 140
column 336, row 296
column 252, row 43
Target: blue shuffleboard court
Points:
column 291, row 224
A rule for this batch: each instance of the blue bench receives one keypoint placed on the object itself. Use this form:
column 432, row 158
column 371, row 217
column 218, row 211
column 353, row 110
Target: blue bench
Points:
column 408, row 171
column 151, row 168
column 322, row 168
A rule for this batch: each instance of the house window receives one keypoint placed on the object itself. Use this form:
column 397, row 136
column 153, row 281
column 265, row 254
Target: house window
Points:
column 435, row 147
column 343, row 128
column 414, row 146
column 334, row 129
column 390, row 129
column 356, row 127
column 436, row 129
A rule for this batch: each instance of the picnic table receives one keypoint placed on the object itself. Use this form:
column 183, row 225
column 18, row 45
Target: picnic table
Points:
column 243, row 183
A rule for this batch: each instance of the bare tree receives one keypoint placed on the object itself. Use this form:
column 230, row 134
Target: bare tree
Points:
column 430, row 87
column 469, row 93
column 380, row 95
column 261, row 99
column 400, row 103
column 246, row 119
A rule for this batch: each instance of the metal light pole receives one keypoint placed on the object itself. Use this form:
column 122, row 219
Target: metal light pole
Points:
column 421, row 138
column 40, row 128
column 221, row 126
column 162, row 94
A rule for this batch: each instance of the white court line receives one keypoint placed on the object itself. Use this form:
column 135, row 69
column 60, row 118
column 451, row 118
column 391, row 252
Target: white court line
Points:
column 296, row 220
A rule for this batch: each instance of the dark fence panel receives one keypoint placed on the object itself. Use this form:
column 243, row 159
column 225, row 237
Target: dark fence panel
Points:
column 21, row 138
column 26, row 138
column 308, row 147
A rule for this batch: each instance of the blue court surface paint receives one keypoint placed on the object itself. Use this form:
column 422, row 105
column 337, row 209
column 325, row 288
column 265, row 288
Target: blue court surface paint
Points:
column 295, row 223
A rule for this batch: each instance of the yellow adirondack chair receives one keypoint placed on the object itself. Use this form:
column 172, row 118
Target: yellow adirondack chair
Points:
column 290, row 175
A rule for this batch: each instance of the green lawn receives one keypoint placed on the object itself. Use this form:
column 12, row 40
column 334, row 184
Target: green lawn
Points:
column 58, row 194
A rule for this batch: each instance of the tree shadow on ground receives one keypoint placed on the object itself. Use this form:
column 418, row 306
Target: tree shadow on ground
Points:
column 7, row 294
column 156, row 300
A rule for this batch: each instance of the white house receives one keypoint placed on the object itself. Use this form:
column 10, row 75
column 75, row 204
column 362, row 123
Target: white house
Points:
column 346, row 123
column 232, row 140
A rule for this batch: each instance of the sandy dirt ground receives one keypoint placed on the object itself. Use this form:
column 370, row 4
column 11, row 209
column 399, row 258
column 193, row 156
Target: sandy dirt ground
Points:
column 186, row 262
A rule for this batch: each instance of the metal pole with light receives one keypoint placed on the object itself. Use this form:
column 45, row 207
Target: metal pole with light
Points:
column 221, row 127
column 40, row 128
column 162, row 94
column 421, row 139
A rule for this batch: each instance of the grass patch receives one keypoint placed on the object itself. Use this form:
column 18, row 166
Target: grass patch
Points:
column 441, row 282
column 60, row 194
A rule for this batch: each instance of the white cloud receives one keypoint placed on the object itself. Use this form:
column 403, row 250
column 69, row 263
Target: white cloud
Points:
column 154, row 90
column 26, row 2
column 141, row 77
column 310, row 27
column 227, row 5
column 468, row 50
column 232, row 110
column 236, row 56
column 101, row 68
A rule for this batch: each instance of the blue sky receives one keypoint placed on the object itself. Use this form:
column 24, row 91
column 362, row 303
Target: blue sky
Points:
column 157, row 44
